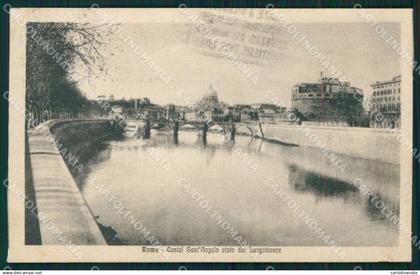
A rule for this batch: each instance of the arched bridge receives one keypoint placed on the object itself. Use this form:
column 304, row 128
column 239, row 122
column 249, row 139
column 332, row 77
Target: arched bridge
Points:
column 229, row 129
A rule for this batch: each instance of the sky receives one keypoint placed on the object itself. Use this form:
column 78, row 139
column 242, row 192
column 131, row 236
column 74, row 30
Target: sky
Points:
column 355, row 49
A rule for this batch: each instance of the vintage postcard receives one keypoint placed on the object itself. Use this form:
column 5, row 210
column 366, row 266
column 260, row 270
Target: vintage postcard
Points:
column 210, row 135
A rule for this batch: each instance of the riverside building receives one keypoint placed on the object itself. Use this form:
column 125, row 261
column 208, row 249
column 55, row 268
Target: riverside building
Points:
column 385, row 104
column 329, row 102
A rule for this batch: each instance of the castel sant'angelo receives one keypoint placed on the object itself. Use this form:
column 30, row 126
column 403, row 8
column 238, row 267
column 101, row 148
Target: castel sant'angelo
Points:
column 330, row 101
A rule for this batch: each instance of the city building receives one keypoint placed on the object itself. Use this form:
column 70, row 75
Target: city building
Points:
column 191, row 116
column 245, row 116
column 117, row 109
column 273, row 118
column 264, row 108
column 283, row 117
column 209, row 107
column 210, row 101
column 267, row 113
column 329, row 102
column 180, row 111
column 152, row 111
column 101, row 98
column 169, row 112
column 240, row 107
column 248, row 115
column 240, row 112
column 385, row 104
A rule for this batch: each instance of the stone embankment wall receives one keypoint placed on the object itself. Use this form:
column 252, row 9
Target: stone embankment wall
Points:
column 55, row 146
column 368, row 143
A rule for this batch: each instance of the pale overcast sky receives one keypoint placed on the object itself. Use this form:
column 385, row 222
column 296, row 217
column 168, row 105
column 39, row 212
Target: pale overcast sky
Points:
column 359, row 53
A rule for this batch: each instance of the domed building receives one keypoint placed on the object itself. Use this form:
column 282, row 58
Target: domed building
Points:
column 210, row 105
column 210, row 101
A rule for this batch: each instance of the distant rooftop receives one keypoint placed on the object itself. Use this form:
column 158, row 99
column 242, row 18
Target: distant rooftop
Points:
column 393, row 80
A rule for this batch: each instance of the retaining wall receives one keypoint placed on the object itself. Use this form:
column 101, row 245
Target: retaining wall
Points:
column 63, row 215
column 368, row 143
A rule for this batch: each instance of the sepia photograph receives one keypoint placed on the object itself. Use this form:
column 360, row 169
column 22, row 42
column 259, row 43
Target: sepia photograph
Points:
column 256, row 135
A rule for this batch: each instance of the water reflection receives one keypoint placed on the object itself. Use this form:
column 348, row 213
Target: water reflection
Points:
column 320, row 186
column 131, row 171
column 324, row 187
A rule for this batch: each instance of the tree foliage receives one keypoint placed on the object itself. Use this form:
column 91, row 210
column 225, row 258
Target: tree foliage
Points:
column 53, row 50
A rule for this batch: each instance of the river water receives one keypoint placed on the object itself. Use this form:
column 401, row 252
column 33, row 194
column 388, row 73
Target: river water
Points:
column 190, row 192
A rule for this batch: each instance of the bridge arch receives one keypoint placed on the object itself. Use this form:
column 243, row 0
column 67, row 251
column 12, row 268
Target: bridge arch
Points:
column 242, row 126
column 223, row 127
column 186, row 125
